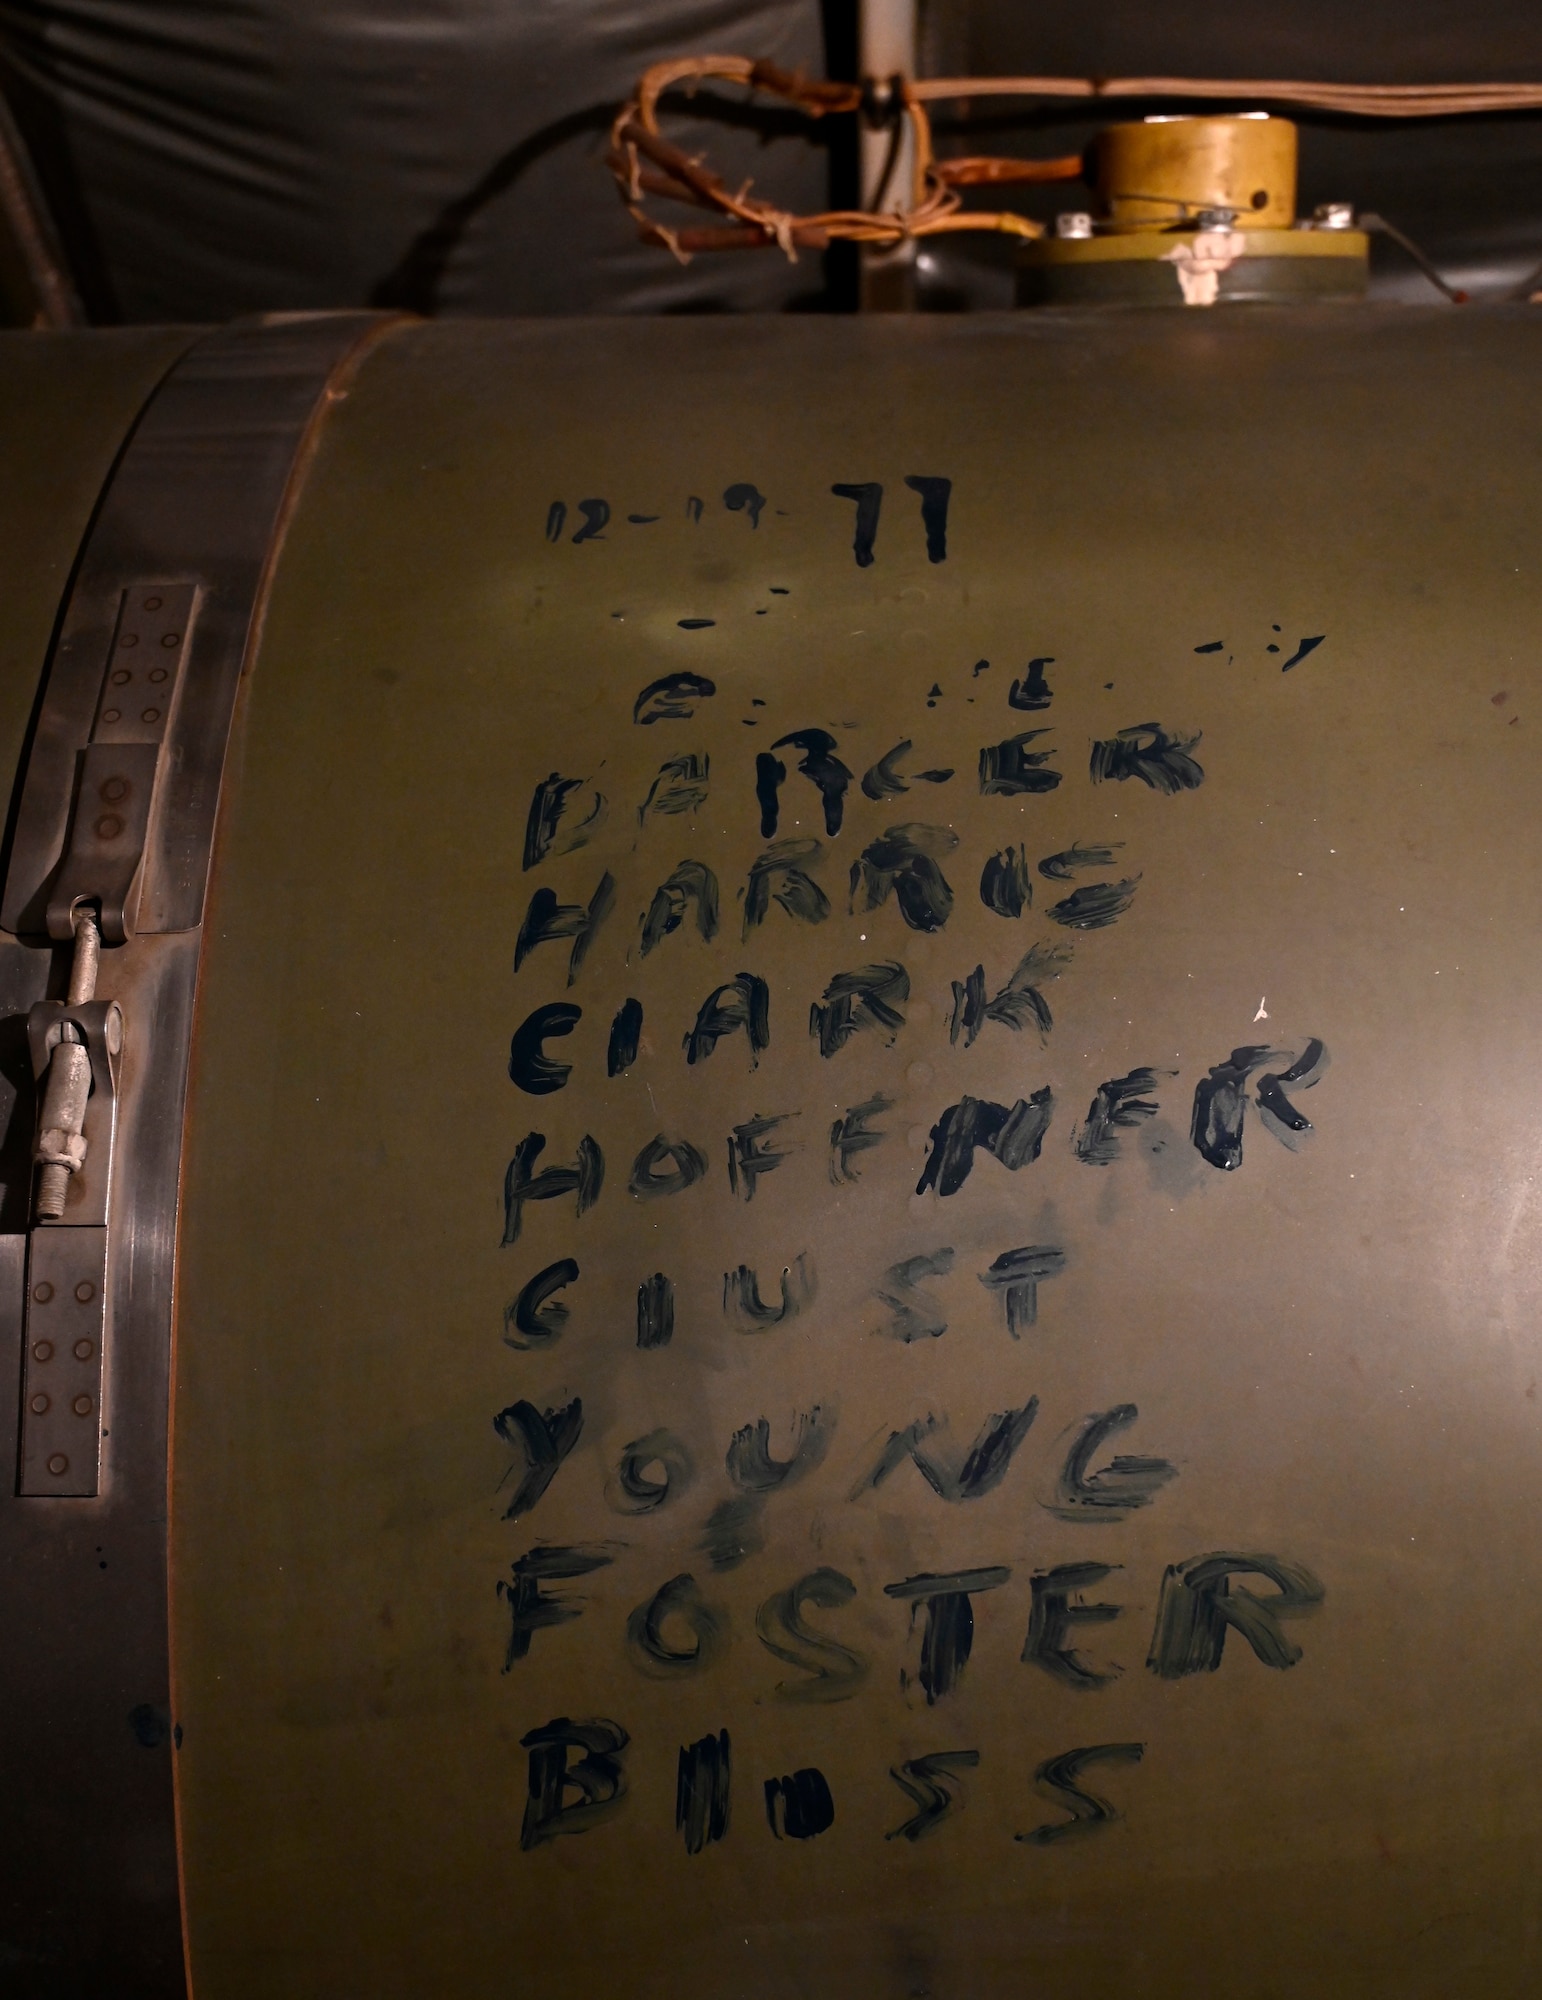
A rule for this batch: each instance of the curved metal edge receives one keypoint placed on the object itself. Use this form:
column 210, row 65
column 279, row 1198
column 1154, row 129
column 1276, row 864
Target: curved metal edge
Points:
column 89, row 1854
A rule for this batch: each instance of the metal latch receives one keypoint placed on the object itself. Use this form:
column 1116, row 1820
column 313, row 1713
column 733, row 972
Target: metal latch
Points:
column 75, row 1044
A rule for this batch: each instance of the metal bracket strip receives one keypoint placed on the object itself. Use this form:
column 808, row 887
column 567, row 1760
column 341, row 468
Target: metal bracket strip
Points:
column 117, row 810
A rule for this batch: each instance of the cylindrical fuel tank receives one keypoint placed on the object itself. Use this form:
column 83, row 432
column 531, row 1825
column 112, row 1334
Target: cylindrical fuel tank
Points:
column 825, row 1135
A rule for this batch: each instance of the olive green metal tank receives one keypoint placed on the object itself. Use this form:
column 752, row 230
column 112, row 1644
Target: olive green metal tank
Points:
column 851, row 1270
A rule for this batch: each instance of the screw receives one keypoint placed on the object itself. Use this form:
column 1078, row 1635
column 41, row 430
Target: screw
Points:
column 158, row 674
column 84, row 1349
column 108, row 827
column 153, row 603
column 42, row 1350
column 129, row 639
column 151, row 715
column 43, row 1292
column 38, row 1405
column 85, row 1291
column 122, row 677
column 113, row 790
column 81, row 1406
column 52, row 1186
column 172, row 639
column 112, row 715
column 58, row 1465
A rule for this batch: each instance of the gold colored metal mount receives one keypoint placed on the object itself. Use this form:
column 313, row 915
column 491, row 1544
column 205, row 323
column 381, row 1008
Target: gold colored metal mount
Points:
column 1164, row 172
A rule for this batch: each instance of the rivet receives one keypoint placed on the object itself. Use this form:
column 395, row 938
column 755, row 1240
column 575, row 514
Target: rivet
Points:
column 42, row 1350
column 85, row 1291
column 108, row 827
column 84, row 1349
column 43, row 1292
column 151, row 715
column 129, row 639
column 38, row 1405
column 122, row 677
column 113, row 790
column 152, row 604
column 81, row 1406
column 158, row 674
column 112, row 715
column 172, row 639
column 58, row 1465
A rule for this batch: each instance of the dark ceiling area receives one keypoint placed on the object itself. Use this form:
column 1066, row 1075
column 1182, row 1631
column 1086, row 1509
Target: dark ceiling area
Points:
column 447, row 156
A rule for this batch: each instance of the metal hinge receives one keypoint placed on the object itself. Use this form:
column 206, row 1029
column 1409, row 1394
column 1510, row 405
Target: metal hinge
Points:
column 75, row 1044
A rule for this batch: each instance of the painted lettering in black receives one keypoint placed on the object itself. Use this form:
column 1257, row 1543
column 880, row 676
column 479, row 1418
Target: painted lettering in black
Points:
column 1306, row 646
column 651, row 1471
column 595, row 1774
column 533, row 1609
column 547, row 803
column 834, row 1671
column 666, row 1166
column 1279, row 1115
column 913, row 1313
column 1146, row 751
column 530, row 1068
column 734, row 1531
column 536, row 1318
column 1198, row 1606
column 672, row 698
column 1120, row 1486
column 1056, row 1780
column 548, row 921
column 749, row 1156
column 851, row 1135
column 1005, row 885
column 692, row 883
column 744, row 498
column 904, row 861
column 680, row 787
column 658, row 1652
column 1095, row 905
column 1119, row 1105
column 769, row 774
column 869, row 498
column 556, row 520
column 584, row 1179
column 751, row 1466
column 744, row 1002
column 1017, row 1275
column 935, row 494
column 932, row 1785
column 799, row 1806
column 625, row 1035
column 1071, row 860
column 743, row 1304
column 1032, row 691
column 954, row 1475
column 1212, row 646
column 655, row 1311
column 818, row 763
column 1020, row 1003
column 540, row 1441
column 702, row 1783
column 1221, row 1099
column 694, row 509
column 869, row 996
column 1011, row 767
column 596, row 515
column 883, row 781
column 1013, row 1135
column 781, row 875
column 1057, row 1612
column 948, row 1635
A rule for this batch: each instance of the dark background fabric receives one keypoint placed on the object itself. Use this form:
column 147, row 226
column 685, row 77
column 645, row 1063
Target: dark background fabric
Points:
column 206, row 158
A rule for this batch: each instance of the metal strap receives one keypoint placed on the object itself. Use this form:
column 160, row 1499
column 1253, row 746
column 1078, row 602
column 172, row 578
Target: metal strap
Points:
column 116, row 819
